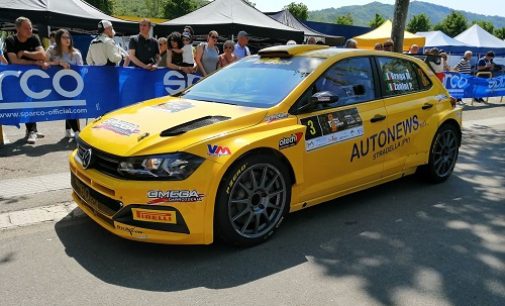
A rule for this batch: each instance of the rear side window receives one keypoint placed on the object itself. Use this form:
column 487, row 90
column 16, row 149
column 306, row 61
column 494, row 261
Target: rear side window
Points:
column 400, row 77
column 350, row 79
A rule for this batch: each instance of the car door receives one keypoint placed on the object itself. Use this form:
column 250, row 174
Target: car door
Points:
column 408, row 108
column 339, row 136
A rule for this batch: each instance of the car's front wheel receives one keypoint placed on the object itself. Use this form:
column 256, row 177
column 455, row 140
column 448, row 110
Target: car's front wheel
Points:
column 443, row 154
column 252, row 200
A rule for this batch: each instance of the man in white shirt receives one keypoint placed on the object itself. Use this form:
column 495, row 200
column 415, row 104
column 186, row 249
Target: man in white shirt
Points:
column 103, row 51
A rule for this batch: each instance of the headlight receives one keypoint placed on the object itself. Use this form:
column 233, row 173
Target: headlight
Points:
column 176, row 166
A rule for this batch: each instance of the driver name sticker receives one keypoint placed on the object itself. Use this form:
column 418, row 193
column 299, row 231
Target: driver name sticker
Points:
column 333, row 127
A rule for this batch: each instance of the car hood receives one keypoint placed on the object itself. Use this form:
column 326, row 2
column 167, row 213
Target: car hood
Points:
column 166, row 125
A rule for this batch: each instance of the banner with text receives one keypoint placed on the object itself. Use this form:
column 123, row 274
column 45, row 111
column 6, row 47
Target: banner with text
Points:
column 468, row 86
column 30, row 94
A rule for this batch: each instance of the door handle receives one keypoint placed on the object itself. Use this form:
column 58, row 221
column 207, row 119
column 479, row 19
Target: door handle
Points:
column 427, row 106
column 377, row 118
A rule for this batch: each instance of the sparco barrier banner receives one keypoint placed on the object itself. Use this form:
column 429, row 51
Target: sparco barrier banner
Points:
column 468, row 86
column 30, row 94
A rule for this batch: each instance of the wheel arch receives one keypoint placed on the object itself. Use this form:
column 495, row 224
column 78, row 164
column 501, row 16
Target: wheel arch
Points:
column 452, row 122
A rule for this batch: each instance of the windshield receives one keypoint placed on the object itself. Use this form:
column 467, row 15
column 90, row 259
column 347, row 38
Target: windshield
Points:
column 254, row 81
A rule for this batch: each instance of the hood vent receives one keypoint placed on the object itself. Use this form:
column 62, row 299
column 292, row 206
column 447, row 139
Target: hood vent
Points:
column 194, row 124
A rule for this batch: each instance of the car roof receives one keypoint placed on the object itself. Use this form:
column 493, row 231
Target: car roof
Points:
column 323, row 51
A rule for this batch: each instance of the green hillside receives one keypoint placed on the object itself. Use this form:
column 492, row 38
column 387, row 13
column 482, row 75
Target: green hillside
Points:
column 362, row 14
column 138, row 8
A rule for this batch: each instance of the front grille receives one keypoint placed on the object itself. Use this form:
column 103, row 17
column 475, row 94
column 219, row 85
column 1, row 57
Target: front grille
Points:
column 101, row 161
column 94, row 199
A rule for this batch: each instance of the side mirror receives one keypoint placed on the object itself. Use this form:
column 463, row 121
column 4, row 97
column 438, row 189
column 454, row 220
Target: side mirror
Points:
column 323, row 97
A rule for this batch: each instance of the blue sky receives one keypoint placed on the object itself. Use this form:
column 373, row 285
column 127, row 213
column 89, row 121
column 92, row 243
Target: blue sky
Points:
column 487, row 7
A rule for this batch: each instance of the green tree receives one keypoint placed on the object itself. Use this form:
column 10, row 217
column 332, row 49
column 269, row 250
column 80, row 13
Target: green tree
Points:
column 377, row 21
column 486, row 25
column 299, row 10
column 419, row 23
column 399, row 19
column 154, row 7
column 500, row 33
column 177, row 8
column 345, row 19
column 105, row 6
column 453, row 24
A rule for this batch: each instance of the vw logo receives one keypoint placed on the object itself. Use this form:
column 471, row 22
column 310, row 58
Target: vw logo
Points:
column 86, row 158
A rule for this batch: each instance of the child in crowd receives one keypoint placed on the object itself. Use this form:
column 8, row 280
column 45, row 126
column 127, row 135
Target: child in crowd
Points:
column 188, row 59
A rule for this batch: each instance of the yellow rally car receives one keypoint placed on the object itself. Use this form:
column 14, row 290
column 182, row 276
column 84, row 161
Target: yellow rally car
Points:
column 273, row 133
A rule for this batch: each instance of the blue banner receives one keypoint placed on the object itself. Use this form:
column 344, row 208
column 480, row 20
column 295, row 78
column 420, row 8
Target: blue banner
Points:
column 468, row 86
column 30, row 94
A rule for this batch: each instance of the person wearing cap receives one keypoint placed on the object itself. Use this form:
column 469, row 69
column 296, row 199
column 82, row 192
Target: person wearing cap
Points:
column 188, row 58
column 24, row 48
column 143, row 50
column 485, row 64
column 103, row 51
column 241, row 49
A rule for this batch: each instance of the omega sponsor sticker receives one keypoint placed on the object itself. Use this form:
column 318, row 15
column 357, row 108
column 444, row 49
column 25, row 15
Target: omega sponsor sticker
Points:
column 158, row 216
column 173, row 107
column 160, row 196
column 330, row 128
column 387, row 140
column 118, row 126
column 130, row 229
column 275, row 117
column 290, row 141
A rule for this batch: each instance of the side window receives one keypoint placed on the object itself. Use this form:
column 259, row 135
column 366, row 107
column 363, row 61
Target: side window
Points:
column 399, row 76
column 423, row 79
column 350, row 79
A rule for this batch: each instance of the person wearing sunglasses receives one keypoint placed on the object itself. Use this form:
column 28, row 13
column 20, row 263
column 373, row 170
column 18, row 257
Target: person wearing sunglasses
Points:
column 228, row 56
column 63, row 53
column 143, row 50
column 207, row 54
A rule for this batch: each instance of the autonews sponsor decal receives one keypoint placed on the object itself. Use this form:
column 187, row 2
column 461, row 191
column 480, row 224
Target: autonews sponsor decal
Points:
column 290, row 141
column 158, row 216
column 276, row 117
column 334, row 127
column 173, row 107
column 386, row 141
column 160, row 196
column 217, row 150
column 118, row 126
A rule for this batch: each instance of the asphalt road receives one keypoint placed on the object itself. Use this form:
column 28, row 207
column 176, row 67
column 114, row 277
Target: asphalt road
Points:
column 403, row 243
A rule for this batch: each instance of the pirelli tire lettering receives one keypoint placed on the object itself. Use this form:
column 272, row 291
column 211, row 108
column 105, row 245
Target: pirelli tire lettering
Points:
column 386, row 141
column 234, row 177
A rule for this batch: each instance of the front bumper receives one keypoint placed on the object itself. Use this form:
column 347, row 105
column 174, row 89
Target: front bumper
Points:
column 124, row 208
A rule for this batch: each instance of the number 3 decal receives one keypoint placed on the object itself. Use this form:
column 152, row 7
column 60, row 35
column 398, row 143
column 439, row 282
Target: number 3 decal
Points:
column 312, row 130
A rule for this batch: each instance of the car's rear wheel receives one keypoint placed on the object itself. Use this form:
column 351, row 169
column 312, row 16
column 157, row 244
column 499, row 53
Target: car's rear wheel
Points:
column 443, row 154
column 252, row 200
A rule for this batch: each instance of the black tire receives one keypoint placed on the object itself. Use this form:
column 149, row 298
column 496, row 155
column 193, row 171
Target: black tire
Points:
column 443, row 155
column 252, row 200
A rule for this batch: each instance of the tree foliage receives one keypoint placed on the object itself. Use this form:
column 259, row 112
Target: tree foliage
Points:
column 419, row 23
column 345, row 19
column 299, row 10
column 177, row 8
column 486, row 25
column 500, row 33
column 377, row 21
column 154, row 7
column 105, row 6
column 453, row 24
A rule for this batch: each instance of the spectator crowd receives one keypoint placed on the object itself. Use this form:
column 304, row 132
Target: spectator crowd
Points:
column 177, row 51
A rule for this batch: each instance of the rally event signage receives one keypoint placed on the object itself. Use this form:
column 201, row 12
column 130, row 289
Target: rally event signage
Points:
column 30, row 94
column 468, row 86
